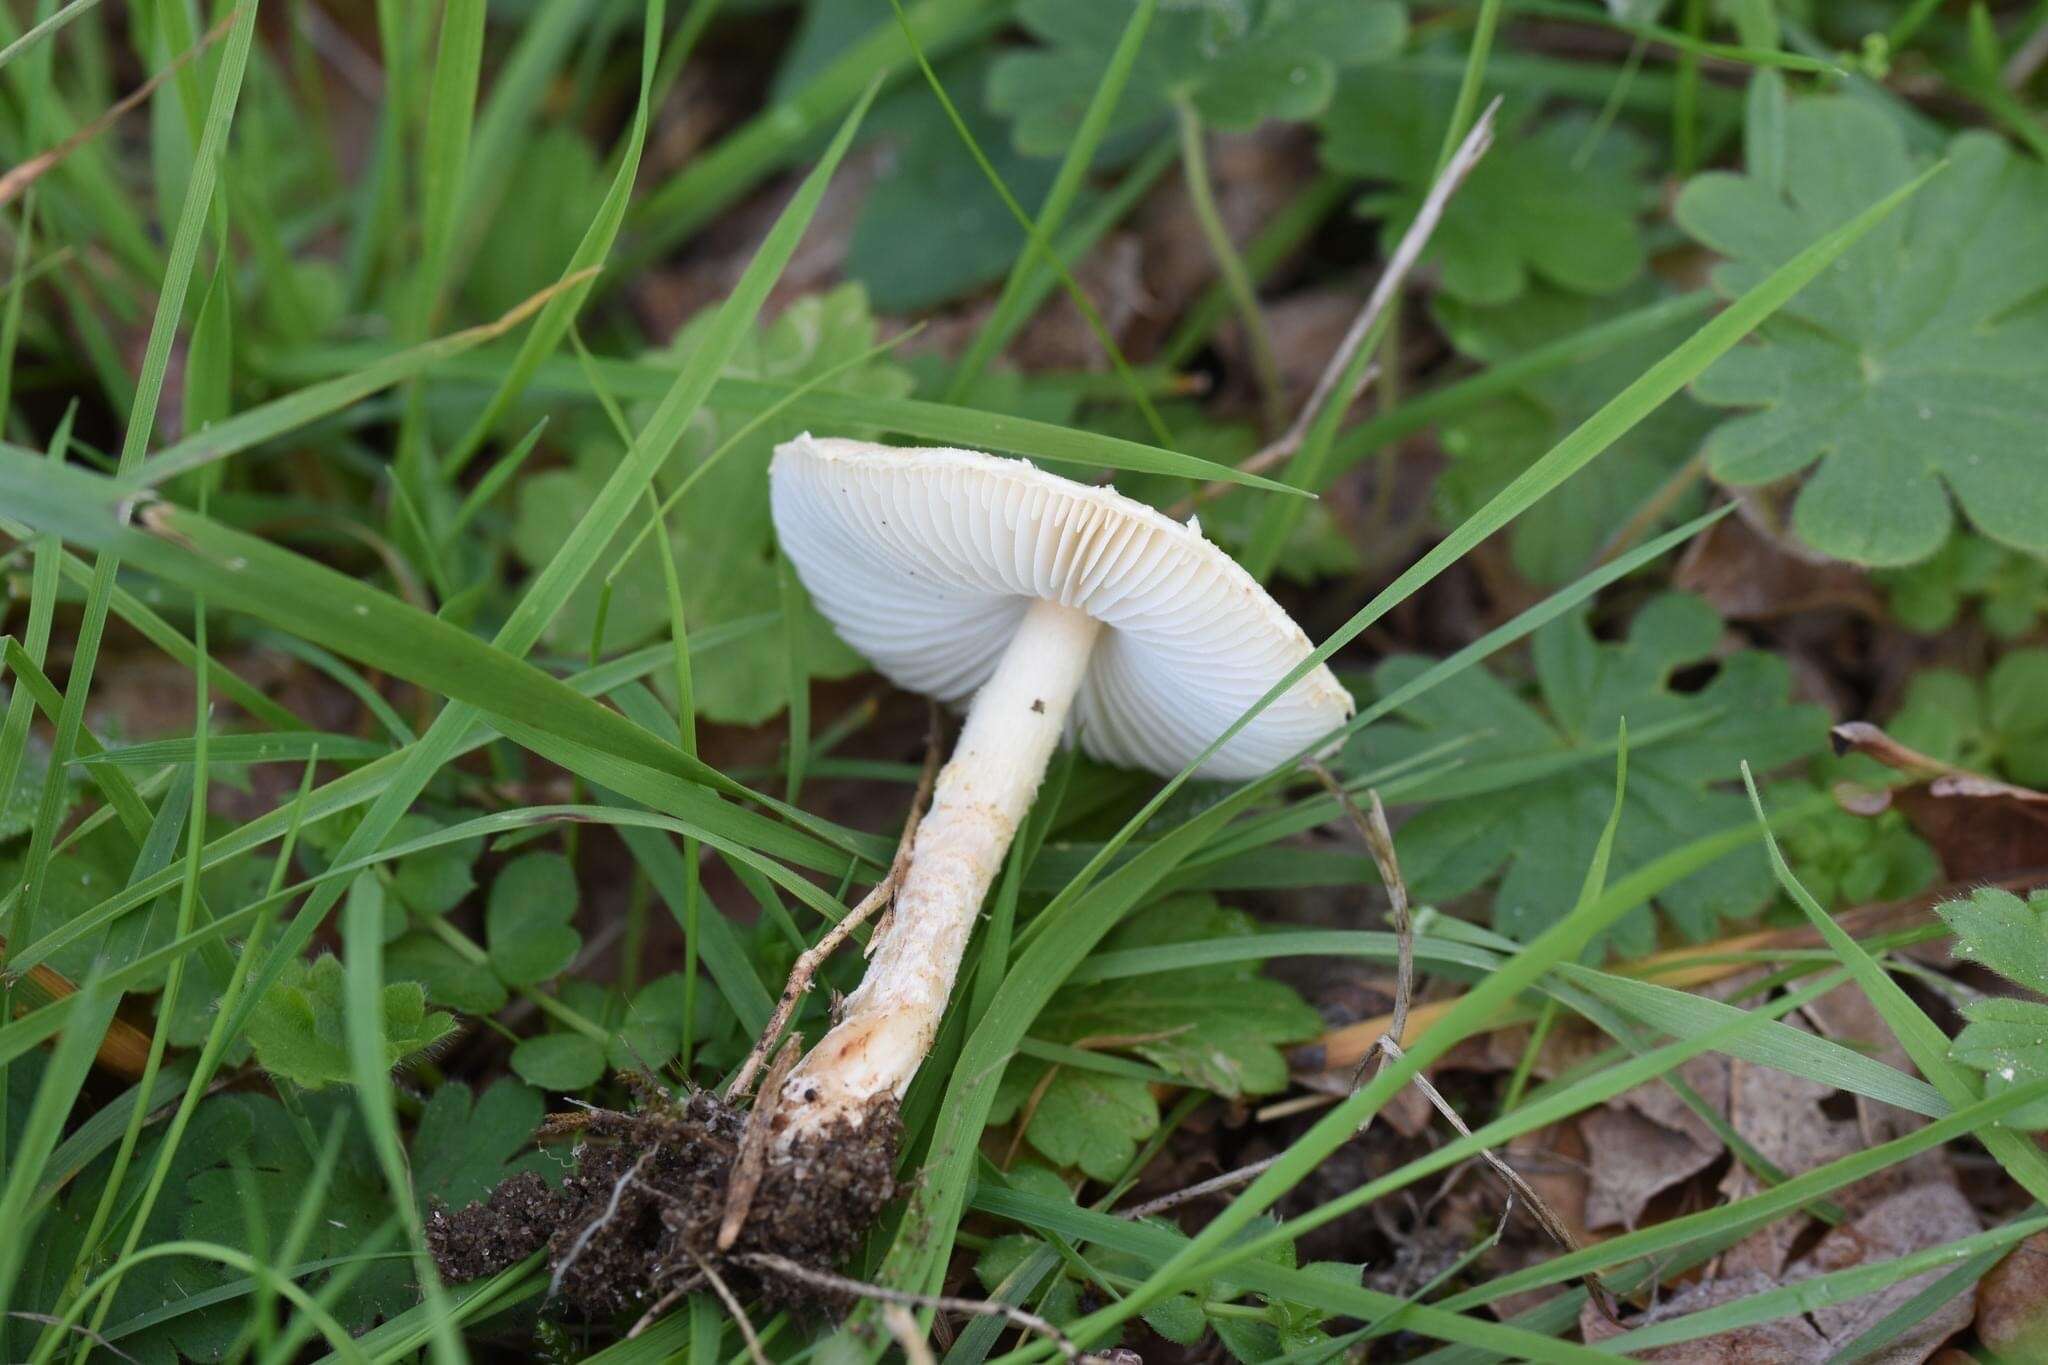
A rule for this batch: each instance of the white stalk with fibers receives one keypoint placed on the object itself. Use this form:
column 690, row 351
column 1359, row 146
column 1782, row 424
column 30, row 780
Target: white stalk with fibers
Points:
column 888, row 1024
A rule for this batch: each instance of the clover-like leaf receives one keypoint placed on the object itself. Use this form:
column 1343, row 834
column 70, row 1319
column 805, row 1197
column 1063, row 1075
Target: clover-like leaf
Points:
column 527, row 920
column 447, row 976
column 1494, row 442
column 298, row 1027
column 1239, row 62
column 1535, row 783
column 1557, row 200
column 560, row 1061
column 1902, row 391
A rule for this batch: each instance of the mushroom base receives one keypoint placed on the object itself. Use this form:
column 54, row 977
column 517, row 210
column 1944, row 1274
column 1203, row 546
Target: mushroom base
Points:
column 643, row 1205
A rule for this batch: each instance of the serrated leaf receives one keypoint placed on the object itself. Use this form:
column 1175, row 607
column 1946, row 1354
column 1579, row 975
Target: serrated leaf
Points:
column 1538, row 835
column 2007, row 1040
column 1240, row 62
column 1084, row 1119
column 465, row 1144
column 1897, row 391
column 297, row 1027
column 2005, row 933
column 527, row 920
column 1491, row 444
column 559, row 1061
column 1217, row 1027
column 1556, row 201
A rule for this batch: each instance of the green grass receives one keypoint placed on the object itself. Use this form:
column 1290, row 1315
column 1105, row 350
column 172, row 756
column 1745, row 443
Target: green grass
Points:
column 280, row 424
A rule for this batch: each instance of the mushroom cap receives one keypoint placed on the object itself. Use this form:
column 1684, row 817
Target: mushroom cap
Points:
column 925, row 560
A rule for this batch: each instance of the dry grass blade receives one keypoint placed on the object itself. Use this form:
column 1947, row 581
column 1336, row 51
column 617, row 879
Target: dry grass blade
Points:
column 806, row 969
column 752, row 1162
column 36, row 167
column 125, row 1047
column 1409, row 250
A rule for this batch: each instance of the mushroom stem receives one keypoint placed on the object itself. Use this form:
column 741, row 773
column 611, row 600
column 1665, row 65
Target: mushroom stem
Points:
column 888, row 1024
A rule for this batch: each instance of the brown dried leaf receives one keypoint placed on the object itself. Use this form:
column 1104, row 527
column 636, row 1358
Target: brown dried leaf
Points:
column 1914, row 1219
column 1978, row 826
column 1925, row 1215
column 1648, row 1140
column 1786, row 1341
column 1748, row 577
column 2012, row 1304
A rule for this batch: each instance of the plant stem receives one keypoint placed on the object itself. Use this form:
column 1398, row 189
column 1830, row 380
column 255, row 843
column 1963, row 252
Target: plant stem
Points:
column 1194, row 160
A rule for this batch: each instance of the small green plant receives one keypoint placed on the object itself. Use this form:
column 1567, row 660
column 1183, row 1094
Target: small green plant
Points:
column 1997, row 724
column 1847, row 859
column 1905, row 398
column 1215, row 1028
column 2006, row 1039
column 1534, row 784
column 1556, row 201
column 2007, row 587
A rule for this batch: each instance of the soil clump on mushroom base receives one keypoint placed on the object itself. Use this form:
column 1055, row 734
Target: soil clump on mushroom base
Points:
column 641, row 1210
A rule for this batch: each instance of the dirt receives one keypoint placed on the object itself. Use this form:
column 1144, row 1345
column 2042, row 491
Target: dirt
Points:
column 641, row 1210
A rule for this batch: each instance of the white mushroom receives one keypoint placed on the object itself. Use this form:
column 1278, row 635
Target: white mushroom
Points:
column 1047, row 607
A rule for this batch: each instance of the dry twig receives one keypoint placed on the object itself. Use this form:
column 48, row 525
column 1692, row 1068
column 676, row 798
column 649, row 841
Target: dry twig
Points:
column 752, row 1161
column 982, row 1308
column 732, row 1306
column 902, row 1325
column 806, row 969
column 1406, row 253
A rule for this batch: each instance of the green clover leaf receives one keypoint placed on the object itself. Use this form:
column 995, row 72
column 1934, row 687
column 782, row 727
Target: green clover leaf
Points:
column 1898, row 392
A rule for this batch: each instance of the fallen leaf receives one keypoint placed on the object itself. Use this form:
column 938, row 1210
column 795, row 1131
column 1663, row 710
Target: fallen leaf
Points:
column 1747, row 576
column 1926, row 1215
column 1779, row 1115
column 1783, row 1341
column 1648, row 1140
column 2012, row 1303
column 1980, row 827
column 1846, row 1015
